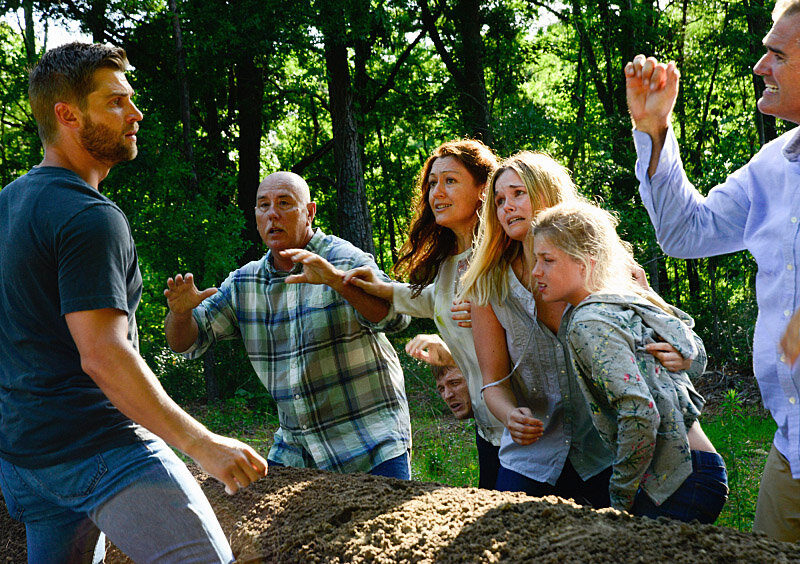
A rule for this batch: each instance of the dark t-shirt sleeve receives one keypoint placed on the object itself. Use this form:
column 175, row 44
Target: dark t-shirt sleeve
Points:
column 95, row 251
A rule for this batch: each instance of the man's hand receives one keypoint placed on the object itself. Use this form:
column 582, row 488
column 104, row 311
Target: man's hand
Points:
column 230, row 461
column 462, row 313
column 790, row 342
column 524, row 428
column 431, row 349
column 668, row 356
column 368, row 280
column 183, row 296
column 316, row 270
column 651, row 89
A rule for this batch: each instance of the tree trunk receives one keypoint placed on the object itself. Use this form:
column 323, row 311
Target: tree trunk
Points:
column 474, row 103
column 96, row 20
column 209, row 370
column 390, row 221
column 606, row 97
column 209, row 373
column 676, row 283
column 183, row 90
column 352, row 215
column 30, row 34
column 250, row 96
column 578, row 87
column 469, row 77
column 680, row 105
column 694, row 278
column 711, row 267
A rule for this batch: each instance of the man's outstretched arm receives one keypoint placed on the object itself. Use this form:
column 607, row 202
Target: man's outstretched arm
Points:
column 122, row 374
column 651, row 89
column 317, row 270
column 182, row 297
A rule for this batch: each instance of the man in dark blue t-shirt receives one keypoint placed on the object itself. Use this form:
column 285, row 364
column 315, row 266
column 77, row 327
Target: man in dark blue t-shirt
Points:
column 83, row 420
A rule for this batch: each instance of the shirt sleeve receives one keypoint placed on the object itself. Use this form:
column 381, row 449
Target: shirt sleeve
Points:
column 95, row 253
column 394, row 320
column 421, row 305
column 216, row 319
column 611, row 381
column 687, row 224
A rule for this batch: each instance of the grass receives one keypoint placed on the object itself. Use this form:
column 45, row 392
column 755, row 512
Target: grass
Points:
column 444, row 448
column 743, row 436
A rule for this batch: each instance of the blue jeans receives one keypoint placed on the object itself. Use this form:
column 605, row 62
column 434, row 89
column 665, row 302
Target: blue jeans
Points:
column 593, row 491
column 700, row 496
column 397, row 467
column 141, row 495
column 488, row 462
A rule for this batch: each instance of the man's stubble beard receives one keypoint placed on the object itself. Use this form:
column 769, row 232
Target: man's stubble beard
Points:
column 105, row 145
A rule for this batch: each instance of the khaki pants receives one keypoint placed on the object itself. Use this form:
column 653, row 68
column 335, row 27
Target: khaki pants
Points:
column 778, row 507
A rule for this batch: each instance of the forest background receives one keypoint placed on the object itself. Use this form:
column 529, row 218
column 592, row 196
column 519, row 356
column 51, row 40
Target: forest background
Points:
column 354, row 94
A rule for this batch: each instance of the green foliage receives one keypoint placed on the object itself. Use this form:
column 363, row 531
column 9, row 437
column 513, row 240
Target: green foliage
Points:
column 19, row 142
column 743, row 437
column 553, row 77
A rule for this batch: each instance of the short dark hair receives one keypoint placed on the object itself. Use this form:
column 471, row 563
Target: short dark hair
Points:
column 438, row 371
column 66, row 74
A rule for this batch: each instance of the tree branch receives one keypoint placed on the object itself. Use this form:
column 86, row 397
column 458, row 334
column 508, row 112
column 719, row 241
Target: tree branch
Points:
column 308, row 160
column 429, row 22
column 387, row 85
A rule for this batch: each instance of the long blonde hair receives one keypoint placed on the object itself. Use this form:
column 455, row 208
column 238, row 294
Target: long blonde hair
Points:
column 548, row 183
column 588, row 234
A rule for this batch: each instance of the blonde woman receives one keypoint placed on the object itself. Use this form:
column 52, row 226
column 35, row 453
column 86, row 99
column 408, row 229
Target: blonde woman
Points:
column 451, row 190
column 664, row 465
column 549, row 446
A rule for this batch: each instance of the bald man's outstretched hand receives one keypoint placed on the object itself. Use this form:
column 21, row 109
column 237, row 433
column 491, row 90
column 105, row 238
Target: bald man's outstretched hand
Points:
column 183, row 296
column 316, row 270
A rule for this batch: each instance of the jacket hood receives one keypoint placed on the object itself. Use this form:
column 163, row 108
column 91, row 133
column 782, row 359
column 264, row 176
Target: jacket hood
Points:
column 675, row 329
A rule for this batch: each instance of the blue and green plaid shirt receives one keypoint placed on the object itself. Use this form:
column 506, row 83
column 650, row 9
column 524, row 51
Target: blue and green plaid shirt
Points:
column 334, row 375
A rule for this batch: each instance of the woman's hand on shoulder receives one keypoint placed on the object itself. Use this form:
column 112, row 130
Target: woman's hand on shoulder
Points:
column 462, row 312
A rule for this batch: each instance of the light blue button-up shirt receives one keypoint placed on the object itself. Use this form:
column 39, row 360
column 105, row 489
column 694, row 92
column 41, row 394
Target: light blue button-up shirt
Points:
column 757, row 208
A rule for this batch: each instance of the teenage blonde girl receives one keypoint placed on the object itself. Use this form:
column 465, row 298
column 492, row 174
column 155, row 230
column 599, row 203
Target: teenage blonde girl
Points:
column 549, row 446
column 450, row 190
column 664, row 465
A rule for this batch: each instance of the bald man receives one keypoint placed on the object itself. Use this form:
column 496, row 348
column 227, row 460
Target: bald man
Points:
column 318, row 347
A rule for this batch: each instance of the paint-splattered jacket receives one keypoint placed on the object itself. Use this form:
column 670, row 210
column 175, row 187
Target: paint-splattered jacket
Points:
column 641, row 410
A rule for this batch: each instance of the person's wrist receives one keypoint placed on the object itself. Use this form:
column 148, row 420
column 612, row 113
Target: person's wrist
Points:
column 182, row 316
column 655, row 128
column 336, row 280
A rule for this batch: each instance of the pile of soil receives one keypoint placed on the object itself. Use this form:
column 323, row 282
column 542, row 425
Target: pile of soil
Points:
column 297, row 515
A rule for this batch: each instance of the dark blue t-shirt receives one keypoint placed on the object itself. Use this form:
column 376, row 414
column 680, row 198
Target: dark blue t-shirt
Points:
column 64, row 247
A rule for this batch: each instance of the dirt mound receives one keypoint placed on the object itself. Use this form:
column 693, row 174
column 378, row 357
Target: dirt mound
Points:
column 309, row 516
column 296, row 515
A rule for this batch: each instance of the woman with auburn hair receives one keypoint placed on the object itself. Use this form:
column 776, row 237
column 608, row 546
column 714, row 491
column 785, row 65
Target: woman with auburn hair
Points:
column 664, row 464
column 450, row 191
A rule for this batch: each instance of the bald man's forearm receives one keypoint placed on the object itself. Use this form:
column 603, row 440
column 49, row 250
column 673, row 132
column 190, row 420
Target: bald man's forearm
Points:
column 181, row 331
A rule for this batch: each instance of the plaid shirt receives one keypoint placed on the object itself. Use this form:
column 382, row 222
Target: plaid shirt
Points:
column 334, row 375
